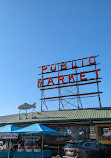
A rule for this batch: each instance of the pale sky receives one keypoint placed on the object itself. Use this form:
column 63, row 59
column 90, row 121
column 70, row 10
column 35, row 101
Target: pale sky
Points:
column 41, row 32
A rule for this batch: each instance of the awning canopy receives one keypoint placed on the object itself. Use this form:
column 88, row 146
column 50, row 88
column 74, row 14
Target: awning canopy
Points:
column 8, row 128
column 38, row 129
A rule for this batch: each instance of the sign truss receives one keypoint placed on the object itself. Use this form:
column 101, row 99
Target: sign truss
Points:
column 65, row 83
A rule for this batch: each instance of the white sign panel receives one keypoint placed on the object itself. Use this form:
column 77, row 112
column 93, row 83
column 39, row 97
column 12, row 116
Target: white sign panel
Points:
column 31, row 137
column 92, row 133
column 9, row 136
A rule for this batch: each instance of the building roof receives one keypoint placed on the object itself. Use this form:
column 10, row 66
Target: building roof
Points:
column 58, row 116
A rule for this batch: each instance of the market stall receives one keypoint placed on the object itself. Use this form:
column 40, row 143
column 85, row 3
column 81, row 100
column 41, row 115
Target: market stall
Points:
column 40, row 130
column 7, row 153
column 6, row 136
column 24, row 154
column 29, row 146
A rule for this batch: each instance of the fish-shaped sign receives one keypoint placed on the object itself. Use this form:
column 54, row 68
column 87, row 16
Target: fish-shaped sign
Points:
column 26, row 106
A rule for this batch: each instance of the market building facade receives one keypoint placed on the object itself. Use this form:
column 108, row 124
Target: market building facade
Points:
column 72, row 124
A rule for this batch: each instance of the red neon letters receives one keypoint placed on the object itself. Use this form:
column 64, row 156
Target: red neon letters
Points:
column 50, row 80
column 72, row 64
column 40, row 83
column 90, row 60
column 43, row 68
column 63, row 66
column 97, row 72
column 54, row 67
column 82, row 79
column 60, row 78
column 70, row 78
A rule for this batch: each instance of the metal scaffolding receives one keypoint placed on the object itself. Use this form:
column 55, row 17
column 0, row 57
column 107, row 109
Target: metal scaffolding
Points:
column 68, row 94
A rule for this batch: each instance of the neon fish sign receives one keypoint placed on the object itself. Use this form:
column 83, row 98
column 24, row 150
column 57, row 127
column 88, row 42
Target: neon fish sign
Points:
column 26, row 106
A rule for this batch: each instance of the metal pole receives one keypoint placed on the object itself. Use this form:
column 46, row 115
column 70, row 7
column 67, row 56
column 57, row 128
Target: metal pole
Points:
column 59, row 89
column 42, row 146
column 58, row 144
column 19, row 115
column 77, row 87
column 41, row 97
column 98, row 90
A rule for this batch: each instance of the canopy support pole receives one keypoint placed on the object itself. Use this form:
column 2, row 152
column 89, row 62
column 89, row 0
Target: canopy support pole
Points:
column 58, row 144
column 42, row 146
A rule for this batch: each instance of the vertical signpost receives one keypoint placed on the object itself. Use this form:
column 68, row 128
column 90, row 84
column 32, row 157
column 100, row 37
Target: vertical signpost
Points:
column 67, row 78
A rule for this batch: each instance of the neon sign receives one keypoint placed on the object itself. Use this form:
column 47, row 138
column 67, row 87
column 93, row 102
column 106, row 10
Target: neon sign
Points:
column 70, row 77
column 69, row 74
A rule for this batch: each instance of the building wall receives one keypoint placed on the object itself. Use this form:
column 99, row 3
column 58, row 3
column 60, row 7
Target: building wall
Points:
column 68, row 132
